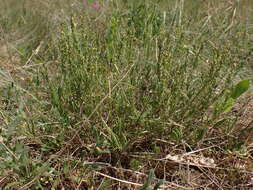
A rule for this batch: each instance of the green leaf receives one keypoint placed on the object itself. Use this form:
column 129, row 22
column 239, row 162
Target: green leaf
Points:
column 15, row 183
column 106, row 184
column 149, row 180
column 240, row 88
column 228, row 105
column 135, row 164
column 156, row 187
column 200, row 133
column 177, row 134
column 220, row 122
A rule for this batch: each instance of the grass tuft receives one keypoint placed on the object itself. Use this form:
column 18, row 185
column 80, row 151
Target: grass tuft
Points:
column 101, row 94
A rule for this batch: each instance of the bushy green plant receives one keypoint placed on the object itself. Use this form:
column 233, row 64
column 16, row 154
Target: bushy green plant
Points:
column 143, row 71
column 101, row 82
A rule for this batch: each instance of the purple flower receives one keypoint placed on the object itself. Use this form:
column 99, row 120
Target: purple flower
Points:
column 96, row 6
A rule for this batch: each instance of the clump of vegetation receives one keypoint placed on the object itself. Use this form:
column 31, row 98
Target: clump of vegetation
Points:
column 113, row 90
